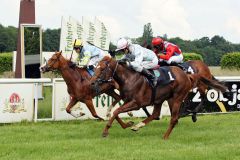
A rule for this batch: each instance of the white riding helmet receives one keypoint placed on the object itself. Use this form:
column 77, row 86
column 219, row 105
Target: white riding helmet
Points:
column 121, row 44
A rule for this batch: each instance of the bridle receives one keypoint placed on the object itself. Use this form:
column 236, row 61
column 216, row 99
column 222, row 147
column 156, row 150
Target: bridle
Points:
column 52, row 63
column 104, row 72
column 101, row 79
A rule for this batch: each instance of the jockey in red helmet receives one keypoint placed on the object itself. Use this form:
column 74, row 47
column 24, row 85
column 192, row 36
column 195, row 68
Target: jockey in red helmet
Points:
column 172, row 54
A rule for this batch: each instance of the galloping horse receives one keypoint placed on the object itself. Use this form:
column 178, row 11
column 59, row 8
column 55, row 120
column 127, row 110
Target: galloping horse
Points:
column 137, row 93
column 78, row 83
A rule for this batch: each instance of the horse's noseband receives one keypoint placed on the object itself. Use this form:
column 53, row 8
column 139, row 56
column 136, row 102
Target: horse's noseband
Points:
column 101, row 78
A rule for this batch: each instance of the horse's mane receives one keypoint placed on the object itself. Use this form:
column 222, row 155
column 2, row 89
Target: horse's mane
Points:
column 107, row 58
column 82, row 72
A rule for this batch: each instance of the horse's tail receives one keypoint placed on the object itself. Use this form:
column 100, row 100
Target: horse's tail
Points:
column 215, row 84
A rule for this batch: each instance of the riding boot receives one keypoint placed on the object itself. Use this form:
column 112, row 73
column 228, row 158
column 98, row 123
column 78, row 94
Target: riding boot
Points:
column 150, row 76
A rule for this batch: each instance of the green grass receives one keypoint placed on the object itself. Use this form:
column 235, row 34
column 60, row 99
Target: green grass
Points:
column 45, row 105
column 212, row 137
column 217, row 71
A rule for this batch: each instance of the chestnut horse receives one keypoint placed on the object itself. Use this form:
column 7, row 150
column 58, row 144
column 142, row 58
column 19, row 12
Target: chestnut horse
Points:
column 137, row 93
column 78, row 84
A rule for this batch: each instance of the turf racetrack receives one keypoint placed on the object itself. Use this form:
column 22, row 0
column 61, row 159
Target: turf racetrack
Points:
column 211, row 137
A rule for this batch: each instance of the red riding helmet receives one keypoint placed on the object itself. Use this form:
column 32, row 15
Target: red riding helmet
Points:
column 157, row 41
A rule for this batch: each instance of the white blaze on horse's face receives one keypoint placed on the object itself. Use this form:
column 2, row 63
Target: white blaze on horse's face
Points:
column 98, row 67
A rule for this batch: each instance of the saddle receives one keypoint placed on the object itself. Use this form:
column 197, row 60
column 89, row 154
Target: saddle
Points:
column 164, row 75
column 186, row 67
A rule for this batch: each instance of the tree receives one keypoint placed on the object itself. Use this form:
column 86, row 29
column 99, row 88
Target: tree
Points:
column 8, row 38
column 147, row 34
column 51, row 39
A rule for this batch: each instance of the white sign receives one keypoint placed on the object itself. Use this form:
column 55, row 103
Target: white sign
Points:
column 93, row 32
column 101, row 104
column 16, row 102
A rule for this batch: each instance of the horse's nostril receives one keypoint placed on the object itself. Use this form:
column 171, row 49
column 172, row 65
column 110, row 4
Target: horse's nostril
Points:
column 92, row 83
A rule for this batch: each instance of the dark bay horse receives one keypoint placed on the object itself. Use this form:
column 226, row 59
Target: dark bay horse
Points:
column 78, row 83
column 137, row 93
column 202, row 70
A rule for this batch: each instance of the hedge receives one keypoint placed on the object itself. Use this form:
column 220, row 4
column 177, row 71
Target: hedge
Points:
column 231, row 61
column 192, row 56
column 5, row 62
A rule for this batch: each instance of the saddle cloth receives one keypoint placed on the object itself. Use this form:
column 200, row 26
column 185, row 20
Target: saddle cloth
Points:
column 188, row 68
column 164, row 75
column 90, row 71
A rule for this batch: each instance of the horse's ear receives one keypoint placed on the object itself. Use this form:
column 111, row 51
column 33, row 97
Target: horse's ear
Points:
column 61, row 52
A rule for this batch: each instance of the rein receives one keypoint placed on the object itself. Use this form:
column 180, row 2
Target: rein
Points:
column 53, row 62
column 101, row 80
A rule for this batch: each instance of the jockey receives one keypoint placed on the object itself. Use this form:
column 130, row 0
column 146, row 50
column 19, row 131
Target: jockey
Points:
column 172, row 54
column 89, row 55
column 143, row 60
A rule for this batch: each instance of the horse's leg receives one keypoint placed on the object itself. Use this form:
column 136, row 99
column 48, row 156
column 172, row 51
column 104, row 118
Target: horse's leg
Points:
column 184, row 108
column 202, row 90
column 124, row 125
column 124, row 108
column 72, row 102
column 117, row 99
column 174, row 104
column 90, row 106
column 148, row 114
column 146, row 111
column 155, row 114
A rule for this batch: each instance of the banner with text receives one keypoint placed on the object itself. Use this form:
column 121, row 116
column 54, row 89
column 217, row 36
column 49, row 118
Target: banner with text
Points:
column 216, row 101
column 93, row 32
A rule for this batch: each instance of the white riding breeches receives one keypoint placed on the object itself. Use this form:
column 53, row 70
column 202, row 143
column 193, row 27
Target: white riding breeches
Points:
column 145, row 64
column 177, row 59
column 94, row 61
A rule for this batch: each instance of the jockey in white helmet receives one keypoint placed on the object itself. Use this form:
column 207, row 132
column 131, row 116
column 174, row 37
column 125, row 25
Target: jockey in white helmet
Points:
column 144, row 58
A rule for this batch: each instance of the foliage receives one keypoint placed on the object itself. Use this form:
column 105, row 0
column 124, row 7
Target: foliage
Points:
column 231, row 61
column 211, row 49
column 5, row 62
column 8, row 39
column 192, row 56
column 147, row 36
column 31, row 40
column 51, row 40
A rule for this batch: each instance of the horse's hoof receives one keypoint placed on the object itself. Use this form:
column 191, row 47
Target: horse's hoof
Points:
column 130, row 114
column 130, row 123
column 76, row 115
column 165, row 138
column 108, row 115
column 104, row 134
column 81, row 114
column 134, row 128
column 100, row 119
column 194, row 118
column 157, row 118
